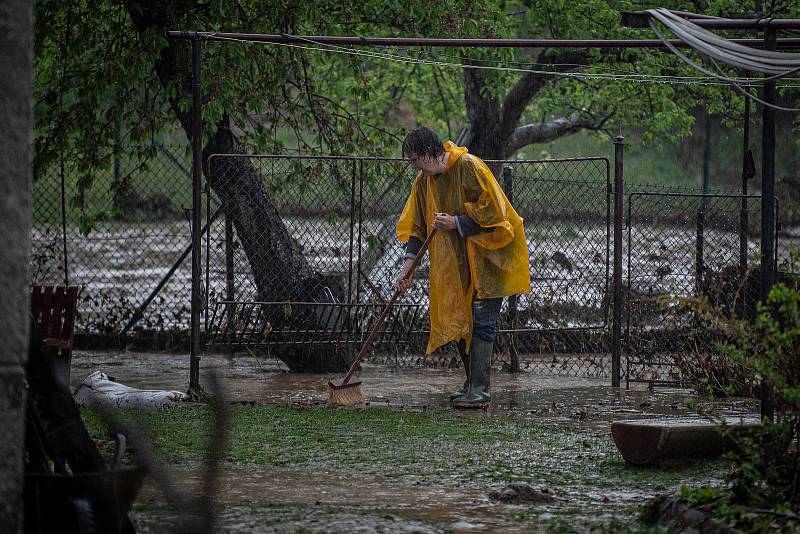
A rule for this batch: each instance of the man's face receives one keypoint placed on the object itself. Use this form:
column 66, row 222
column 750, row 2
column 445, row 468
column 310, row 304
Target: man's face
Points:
column 426, row 165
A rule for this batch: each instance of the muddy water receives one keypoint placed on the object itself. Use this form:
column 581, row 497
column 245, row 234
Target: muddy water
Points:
column 572, row 401
column 317, row 499
column 339, row 502
column 378, row 503
column 118, row 265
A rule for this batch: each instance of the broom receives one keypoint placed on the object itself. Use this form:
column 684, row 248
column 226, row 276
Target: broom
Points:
column 343, row 392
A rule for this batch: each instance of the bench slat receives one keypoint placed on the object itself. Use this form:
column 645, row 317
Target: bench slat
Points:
column 54, row 309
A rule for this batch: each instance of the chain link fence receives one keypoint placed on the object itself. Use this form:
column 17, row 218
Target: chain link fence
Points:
column 340, row 213
column 314, row 237
column 138, row 233
column 683, row 248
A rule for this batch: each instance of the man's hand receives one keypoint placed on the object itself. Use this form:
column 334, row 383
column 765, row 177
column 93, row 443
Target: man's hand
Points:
column 404, row 281
column 443, row 221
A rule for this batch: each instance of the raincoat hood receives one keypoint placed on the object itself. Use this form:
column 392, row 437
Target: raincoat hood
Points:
column 453, row 152
column 492, row 263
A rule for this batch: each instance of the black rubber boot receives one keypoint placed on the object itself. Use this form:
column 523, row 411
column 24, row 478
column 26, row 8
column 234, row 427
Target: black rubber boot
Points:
column 480, row 373
column 465, row 363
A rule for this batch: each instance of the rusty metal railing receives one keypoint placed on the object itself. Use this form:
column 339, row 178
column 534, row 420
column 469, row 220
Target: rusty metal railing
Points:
column 240, row 323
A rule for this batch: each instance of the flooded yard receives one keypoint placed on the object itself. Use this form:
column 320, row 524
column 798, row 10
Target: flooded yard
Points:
column 570, row 267
column 406, row 462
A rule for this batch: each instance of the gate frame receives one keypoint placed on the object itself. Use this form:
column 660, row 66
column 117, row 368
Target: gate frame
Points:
column 613, row 225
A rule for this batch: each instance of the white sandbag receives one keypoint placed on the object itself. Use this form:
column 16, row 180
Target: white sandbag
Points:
column 97, row 390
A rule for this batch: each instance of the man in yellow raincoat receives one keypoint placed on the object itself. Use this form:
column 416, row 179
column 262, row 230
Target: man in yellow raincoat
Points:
column 478, row 256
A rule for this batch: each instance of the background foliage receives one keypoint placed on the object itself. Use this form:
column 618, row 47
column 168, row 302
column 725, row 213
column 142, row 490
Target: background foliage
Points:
column 97, row 85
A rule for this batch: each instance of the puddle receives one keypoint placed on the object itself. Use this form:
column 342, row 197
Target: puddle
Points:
column 120, row 262
column 317, row 498
column 327, row 501
column 575, row 402
column 343, row 501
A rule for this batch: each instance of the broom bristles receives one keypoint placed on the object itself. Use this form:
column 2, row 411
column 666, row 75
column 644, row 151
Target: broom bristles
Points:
column 348, row 395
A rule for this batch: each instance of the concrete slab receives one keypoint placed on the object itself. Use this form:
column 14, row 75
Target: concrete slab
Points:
column 674, row 440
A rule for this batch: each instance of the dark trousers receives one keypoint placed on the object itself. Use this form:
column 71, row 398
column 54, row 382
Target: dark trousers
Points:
column 484, row 321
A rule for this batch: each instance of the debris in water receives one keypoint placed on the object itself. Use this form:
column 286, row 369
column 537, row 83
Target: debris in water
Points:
column 520, row 493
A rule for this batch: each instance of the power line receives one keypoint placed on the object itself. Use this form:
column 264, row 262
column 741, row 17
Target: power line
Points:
column 639, row 78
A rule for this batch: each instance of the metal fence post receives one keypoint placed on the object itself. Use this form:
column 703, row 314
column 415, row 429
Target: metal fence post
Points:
column 230, row 290
column 352, row 228
column 748, row 170
column 508, row 186
column 197, row 171
column 64, row 218
column 768, row 209
column 701, row 212
column 360, row 225
column 616, row 328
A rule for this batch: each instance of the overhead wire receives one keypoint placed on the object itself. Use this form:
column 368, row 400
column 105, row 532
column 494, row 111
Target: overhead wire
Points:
column 633, row 77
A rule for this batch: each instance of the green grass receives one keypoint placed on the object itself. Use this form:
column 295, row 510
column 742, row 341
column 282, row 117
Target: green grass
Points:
column 164, row 176
column 429, row 448
column 672, row 165
column 679, row 164
column 395, row 444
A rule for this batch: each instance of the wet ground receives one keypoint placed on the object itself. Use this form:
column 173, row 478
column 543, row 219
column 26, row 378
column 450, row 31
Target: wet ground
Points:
column 370, row 497
column 588, row 403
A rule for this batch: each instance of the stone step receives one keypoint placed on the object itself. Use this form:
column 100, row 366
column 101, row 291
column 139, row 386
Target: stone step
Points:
column 674, row 440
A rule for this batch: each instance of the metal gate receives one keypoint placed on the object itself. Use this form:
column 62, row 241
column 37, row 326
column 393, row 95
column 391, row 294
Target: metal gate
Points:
column 341, row 212
column 682, row 247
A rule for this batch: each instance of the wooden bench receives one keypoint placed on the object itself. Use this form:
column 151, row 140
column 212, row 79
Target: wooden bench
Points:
column 54, row 309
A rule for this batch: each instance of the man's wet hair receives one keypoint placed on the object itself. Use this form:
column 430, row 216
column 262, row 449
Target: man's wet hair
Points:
column 424, row 143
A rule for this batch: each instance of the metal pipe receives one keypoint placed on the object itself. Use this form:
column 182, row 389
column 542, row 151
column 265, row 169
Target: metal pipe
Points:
column 701, row 212
column 229, row 276
column 352, row 222
column 616, row 328
column 64, row 219
column 207, row 232
column 197, row 172
column 360, row 224
column 140, row 311
column 768, row 209
column 606, row 299
column 640, row 19
column 629, row 221
column 508, row 186
column 738, row 24
column 213, row 157
column 747, row 173
column 474, row 43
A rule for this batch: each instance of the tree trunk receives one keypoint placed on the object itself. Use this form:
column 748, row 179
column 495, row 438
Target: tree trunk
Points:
column 495, row 125
column 279, row 269
column 484, row 114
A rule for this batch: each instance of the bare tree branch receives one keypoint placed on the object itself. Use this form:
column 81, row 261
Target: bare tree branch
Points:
column 548, row 131
column 531, row 83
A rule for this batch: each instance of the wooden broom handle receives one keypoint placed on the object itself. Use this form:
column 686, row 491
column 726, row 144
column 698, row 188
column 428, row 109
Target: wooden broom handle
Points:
column 374, row 333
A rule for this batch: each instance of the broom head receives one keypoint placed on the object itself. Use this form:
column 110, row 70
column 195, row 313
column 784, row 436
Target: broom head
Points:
column 349, row 394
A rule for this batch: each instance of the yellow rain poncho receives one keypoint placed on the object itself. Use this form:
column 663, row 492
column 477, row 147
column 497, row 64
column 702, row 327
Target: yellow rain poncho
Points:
column 490, row 264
